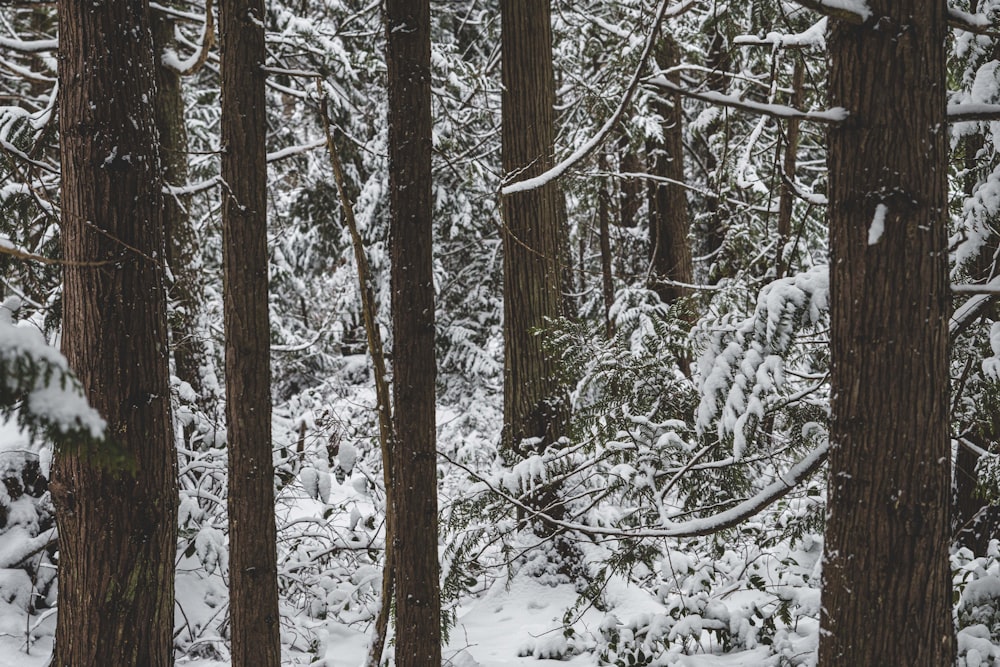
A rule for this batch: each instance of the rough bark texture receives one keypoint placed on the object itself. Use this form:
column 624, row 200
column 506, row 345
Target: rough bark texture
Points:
column 887, row 589
column 670, row 253
column 533, row 227
column 117, row 527
column 252, row 562
column 418, row 597
column 181, row 244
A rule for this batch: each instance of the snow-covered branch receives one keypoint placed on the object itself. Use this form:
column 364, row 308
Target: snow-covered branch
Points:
column 662, row 12
column 852, row 11
column 200, row 57
column 958, row 113
column 834, row 115
column 29, row 46
column 977, row 23
column 709, row 525
column 964, row 315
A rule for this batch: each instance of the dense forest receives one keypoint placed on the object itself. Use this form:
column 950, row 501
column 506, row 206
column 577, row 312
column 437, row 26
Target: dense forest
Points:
column 495, row 332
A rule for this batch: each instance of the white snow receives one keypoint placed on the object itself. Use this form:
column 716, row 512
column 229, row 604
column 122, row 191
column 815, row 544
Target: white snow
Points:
column 877, row 228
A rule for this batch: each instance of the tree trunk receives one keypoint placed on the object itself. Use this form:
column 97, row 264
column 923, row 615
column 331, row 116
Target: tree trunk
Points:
column 670, row 254
column 181, row 244
column 887, row 584
column 534, row 228
column 117, row 522
column 253, row 592
column 607, row 271
column 418, row 597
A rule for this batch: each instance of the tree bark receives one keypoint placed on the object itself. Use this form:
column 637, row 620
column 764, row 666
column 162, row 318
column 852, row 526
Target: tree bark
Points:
column 418, row 597
column 534, row 228
column 670, row 253
column 253, row 591
column 181, row 244
column 786, row 201
column 117, row 522
column 887, row 584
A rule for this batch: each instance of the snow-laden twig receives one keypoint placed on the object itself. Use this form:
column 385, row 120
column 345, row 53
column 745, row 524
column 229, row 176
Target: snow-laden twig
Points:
column 662, row 12
column 289, row 151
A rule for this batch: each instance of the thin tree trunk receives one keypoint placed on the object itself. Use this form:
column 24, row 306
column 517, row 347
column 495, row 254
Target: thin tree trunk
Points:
column 607, row 272
column 414, row 461
column 253, row 586
column 181, row 243
column 670, row 253
column 887, row 582
column 786, row 200
column 117, row 521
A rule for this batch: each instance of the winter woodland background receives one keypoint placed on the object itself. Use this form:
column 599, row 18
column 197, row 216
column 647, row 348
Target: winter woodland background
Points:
column 690, row 470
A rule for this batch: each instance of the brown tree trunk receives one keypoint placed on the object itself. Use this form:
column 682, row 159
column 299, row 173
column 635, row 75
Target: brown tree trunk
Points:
column 783, row 261
column 534, row 227
column 887, row 583
column 414, row 460
column 713, row 235
column 181, row 244
column 630, row 194
column 670, row 253
column 253, row 591
column 117, row 522
column 607, row 272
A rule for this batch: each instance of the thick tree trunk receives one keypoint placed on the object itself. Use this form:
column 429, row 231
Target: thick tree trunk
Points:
column 534, row 228
column 253, row 592
column 118, row 523
column 418, row 597
column 887, row 585
column 670, row 253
